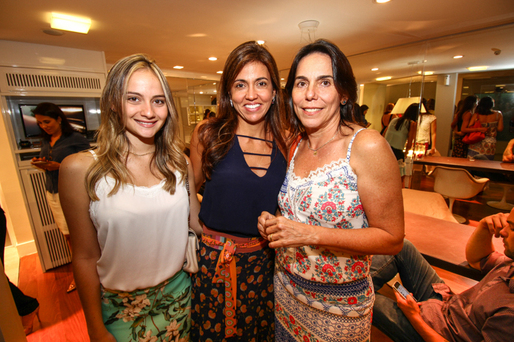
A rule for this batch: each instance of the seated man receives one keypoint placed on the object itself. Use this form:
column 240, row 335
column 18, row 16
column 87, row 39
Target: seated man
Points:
column 508, row 156
column 484, row 312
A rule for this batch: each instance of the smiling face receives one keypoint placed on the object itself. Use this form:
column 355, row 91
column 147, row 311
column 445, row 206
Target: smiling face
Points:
column 252, row 93
column 315, row 97
column 51, row 126
column 144, row 106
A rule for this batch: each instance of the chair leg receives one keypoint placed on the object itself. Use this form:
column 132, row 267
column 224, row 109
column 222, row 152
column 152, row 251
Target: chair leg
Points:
column 459, row 218
column 503, row 204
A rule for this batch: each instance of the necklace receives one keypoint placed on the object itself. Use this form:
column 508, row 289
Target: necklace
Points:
column 316, row 150
column 141, row 154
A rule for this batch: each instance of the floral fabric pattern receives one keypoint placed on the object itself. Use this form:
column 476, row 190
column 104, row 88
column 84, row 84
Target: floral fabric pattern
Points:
column 161, row 313
column 254, row 310
column 323, row 294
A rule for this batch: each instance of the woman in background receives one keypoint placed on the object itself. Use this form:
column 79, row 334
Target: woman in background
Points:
column 403, row 130
column 387, row 117
column 462, row 118
column 492, row 122
column 427, row 132
column 341, row 202
column 240, row 153
column 59, row 141
column 128, row 205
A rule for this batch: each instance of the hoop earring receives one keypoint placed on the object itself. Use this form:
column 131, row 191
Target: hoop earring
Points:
column 231, row 104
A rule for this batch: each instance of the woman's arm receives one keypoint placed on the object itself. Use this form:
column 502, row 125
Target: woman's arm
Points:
column 433, row 135
column 194, row 204
column 468, row 121
column 379, row 184
column 412, row 135
column 196, row 150
column 84, row 242
column 500, row 122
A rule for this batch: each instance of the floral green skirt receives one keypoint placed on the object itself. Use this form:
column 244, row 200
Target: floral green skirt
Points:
column 160, row 313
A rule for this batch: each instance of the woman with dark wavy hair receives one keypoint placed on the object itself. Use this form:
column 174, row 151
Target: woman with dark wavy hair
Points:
column 340, row 203
column 240, row 153
column 401, row 130
column 461, row 120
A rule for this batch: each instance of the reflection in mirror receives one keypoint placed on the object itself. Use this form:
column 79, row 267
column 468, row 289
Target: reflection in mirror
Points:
column 192, row 97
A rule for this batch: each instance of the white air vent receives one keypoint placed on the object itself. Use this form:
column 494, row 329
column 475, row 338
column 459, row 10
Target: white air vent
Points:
column 51, row 244
column 35, row 80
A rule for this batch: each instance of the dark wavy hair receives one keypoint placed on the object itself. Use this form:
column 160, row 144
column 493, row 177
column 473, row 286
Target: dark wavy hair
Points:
column 485, row 105
column 344, row 81
column 411, row 114
column 468, row 104
column 52, row 110
column 217, row 135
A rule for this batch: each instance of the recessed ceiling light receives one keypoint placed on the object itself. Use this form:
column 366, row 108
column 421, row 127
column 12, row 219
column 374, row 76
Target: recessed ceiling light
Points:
column 213, row 58
column 427, row 72
column 178, row 67
column 381, row 1
column 201, row 92
column 261, row 42
column 458, row 56
column 478, row 68
column 374, row 69
column 383, row 78
column 70, row 23
column 219, row 72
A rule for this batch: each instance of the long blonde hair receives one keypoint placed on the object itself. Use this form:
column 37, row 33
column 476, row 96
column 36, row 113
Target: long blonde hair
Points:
column 113, row 144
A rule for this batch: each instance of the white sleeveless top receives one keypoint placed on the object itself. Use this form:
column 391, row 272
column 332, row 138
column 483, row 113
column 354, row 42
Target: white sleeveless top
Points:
column 142, row 233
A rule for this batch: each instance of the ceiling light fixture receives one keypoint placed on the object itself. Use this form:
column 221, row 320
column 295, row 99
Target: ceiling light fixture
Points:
column 219, row 72
column 70, row 23
column 426, row 73
column 309, row 27
column 213, row 58
column 178, row 67
column 383, row 78
column 374, row 69
column 261, row 42
column 380, row 1
column 458, row 56
column 478, row 68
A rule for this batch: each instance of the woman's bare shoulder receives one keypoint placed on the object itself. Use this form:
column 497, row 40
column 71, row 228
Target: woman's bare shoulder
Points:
column 77, row 161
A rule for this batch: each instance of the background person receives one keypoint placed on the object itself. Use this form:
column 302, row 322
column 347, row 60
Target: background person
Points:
column 387, row 117
column 427, row 132
column 508, row 156
column 128, row 205
column 240, row 153
column 462, row 118
column 403, row 130
column 485, row 312
column 59, row 141
column 27, row 306
column 340, row 202
column 492, row 122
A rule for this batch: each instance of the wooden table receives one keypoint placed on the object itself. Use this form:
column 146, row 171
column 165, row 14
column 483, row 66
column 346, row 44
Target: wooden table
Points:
column 443, row 243
column 464, row 163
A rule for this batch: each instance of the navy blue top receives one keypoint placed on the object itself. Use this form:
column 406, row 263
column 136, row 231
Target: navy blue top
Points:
column 235, row 196
column 63, row 147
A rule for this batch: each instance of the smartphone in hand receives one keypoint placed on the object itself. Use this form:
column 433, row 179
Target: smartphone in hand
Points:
column 401, row 290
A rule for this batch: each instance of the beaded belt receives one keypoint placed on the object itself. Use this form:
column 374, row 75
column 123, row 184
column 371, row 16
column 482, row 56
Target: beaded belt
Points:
column 226, row 273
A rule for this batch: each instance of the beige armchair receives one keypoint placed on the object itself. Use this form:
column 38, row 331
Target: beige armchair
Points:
column 456, row 183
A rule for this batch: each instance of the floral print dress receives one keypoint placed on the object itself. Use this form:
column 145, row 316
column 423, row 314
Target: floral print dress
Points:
column 323, row 294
